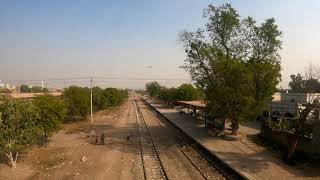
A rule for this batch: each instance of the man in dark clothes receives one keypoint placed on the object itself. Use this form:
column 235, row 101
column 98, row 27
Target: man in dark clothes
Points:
column 102, row 138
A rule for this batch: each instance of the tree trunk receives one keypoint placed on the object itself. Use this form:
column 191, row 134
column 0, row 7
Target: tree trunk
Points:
column 292, row 143
column 45, row 139
column 235, row 127
column 13, row 160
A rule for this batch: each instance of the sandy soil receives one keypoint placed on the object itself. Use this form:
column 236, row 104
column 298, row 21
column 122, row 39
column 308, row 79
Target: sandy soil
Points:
column 117, row 159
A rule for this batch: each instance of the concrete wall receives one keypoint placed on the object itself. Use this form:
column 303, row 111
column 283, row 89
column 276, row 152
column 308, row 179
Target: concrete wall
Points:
column 310, row 148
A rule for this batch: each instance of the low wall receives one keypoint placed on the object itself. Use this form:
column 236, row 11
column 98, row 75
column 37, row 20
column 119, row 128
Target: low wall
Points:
column 305, row 146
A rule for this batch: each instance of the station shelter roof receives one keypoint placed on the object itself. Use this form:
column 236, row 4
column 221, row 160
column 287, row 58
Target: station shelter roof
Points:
column 196, row 103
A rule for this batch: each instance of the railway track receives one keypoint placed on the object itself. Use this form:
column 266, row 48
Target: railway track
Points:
column 197, row 161
column 151, row 162
column 199, row 157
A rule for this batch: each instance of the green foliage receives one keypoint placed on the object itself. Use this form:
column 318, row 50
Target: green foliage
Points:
column 50, row 113
column 78, row 101
column 25, row 89
column 114, row 96
column 300, row 85
column 168, row 94
column 232, row 97
column 186, row 92
column 33, row 89
column 98, row 99
column 297, row 83
column 153, row 89
column 36, row 89
column 235, row 58
column 17, row 125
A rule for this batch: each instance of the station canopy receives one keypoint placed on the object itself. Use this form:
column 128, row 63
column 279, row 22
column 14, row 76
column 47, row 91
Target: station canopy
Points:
column 197, row 103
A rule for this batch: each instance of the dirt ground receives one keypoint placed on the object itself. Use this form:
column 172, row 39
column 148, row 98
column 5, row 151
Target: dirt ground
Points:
column 116, row 159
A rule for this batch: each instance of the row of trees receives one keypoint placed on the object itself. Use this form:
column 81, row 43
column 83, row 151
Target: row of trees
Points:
column 306, row 84
column 23, row 123
column 78, row 99
column 185, row 92
column 33, row 89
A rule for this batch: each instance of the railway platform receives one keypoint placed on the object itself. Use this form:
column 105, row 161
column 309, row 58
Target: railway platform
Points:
column 245, row 157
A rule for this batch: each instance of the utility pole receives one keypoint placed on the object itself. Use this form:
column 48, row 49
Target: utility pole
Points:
column 91, row 80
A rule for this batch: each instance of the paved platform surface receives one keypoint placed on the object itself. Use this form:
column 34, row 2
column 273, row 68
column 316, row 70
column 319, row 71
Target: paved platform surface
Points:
column 247, row 158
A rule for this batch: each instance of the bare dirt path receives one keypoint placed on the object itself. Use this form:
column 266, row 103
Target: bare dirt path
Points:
column 116, row 159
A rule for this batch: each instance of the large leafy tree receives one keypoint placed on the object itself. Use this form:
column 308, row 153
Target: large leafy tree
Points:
column 50, row 113
column 297, row 83
column 98, row 99
column 113, row 96
column 168, row 94
column 78, row 101
column 241, row 45
column 153, row 88
column 25, row 89
column 17, row 127
column 187, row 92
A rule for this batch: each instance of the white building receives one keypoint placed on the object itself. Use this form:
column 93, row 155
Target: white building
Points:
column 1, row 84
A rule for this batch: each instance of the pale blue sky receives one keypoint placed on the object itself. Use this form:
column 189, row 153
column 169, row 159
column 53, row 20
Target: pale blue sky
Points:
column 61, row 39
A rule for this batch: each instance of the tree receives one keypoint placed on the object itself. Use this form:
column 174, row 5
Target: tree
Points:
column 25, row 89
column 153, row 88
column 78, row 101
column 297, row 84
column 36, row 89
column 50, row 111
column 312, row 102
column 243, row 46
column 233, row 96
column 168, row 94
column 113, row 96
column 186, row 92
column 98, row 100
column 17, row 127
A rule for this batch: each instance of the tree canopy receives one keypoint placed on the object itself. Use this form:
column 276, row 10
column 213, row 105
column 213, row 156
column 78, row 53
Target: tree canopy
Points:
column 186, row 92
column 78, row 101
column 50, row 113
column 17, row 127
column 235, row 49
column 153, row 88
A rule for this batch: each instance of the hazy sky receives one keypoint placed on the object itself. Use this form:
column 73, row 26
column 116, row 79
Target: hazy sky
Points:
column 63, row 39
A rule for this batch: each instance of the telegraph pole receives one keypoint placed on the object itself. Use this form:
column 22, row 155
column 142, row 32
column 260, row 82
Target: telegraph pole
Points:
column 91, row 81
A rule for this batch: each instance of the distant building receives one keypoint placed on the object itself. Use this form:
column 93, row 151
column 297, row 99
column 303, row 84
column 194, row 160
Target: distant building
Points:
column 1, row 84
column 284, row 103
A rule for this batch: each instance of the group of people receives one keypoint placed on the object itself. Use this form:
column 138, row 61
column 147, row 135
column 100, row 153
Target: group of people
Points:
column 101, row 139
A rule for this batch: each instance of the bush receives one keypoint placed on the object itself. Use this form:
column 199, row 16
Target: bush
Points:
column 78, row 101
column 114, row 96
column 186, row 92
column 17, row 127
column 50, row 113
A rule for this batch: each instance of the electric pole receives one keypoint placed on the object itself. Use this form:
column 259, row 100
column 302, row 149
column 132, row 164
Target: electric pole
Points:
column 91, row 80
